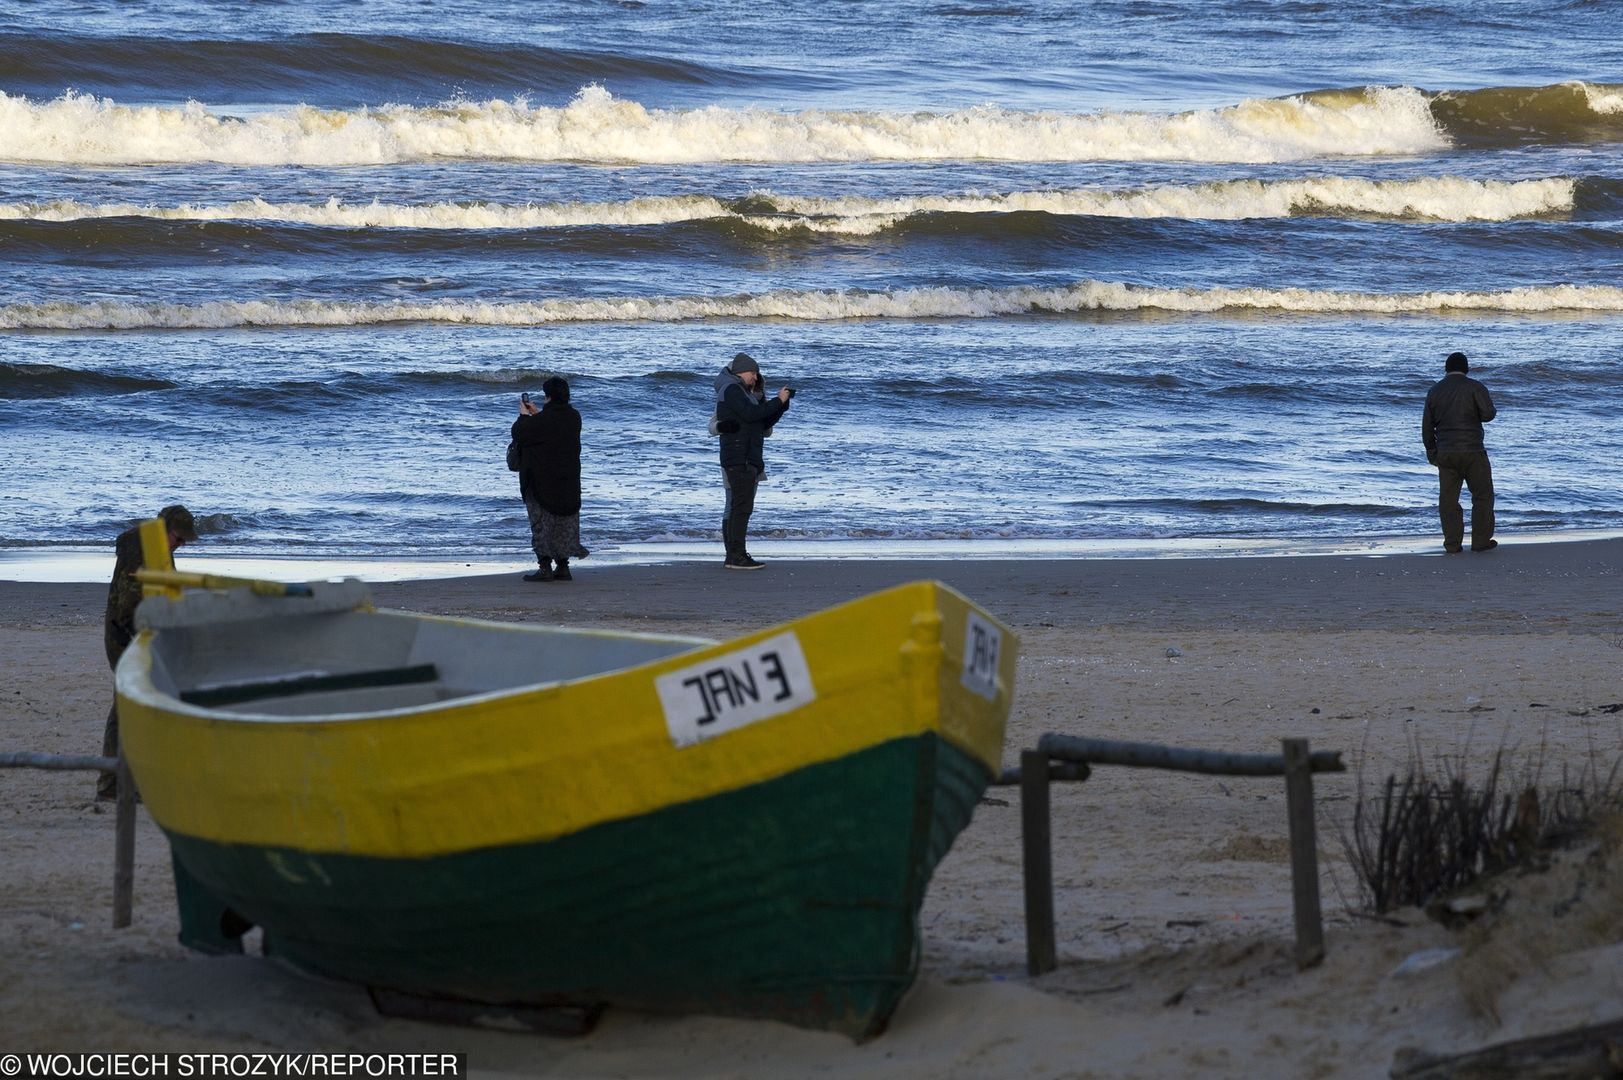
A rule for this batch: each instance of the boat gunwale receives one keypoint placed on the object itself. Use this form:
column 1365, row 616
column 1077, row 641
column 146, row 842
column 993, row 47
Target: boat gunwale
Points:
column 140, row 687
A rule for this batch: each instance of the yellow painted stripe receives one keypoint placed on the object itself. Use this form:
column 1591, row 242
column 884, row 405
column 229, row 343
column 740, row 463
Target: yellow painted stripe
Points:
column 548, row 762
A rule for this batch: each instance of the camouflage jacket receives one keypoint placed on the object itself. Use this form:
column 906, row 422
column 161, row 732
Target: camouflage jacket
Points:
column 125, row 591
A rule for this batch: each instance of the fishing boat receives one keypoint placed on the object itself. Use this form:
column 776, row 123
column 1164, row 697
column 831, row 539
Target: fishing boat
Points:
column 450, row 810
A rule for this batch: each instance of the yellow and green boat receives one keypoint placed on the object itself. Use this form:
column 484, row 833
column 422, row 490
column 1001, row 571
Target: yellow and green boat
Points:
column 449, row 809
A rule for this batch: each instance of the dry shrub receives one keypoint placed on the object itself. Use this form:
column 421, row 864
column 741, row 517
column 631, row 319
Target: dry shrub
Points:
column 1424, row 836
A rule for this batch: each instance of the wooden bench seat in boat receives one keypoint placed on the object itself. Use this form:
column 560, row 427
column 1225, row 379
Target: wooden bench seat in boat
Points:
column 241, row 692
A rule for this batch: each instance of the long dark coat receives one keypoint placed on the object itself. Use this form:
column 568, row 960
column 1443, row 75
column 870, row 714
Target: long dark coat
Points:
column 549, row 461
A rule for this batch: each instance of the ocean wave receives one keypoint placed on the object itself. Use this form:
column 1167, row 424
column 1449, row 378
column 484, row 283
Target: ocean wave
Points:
column 50, row 381
column 1514, row 115
column 1443, row 198
column 809, row 305
column 1246, row 507
column 598, row 127
column 338, row 68
column 1249, row 507
column 470, row 216
column 530, row 376
column 1605, row 100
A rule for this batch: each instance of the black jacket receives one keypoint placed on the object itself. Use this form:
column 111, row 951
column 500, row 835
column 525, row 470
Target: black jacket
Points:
column 743, row 446
column 1456, row 409
column 549, row 461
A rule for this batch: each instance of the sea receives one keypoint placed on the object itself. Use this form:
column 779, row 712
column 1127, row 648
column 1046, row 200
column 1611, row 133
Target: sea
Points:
column 1046, row 277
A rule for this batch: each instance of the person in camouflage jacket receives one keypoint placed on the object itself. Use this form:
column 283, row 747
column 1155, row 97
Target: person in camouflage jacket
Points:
column 118, row 626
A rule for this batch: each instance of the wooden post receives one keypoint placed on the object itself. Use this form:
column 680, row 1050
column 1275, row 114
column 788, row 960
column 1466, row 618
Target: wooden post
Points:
column 1037, row 854
column 124, row 848
column 33, row 759
column 1156, row 756
column 1304, row 853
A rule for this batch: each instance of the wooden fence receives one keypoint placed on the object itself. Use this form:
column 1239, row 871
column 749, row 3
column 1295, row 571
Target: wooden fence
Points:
column 1069, row 758
column 123, row 822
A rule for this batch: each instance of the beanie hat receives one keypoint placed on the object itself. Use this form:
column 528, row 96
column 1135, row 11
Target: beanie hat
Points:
column 179, row 519
column 744, row 362
column 1456, row 362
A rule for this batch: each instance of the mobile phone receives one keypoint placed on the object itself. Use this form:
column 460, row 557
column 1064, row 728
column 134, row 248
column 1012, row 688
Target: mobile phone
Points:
column 525, row 397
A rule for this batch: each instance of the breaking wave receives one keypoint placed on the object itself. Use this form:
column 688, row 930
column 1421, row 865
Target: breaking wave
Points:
column 811, row 305
column 1512, row 115
column 598, row 127
column 1446, row 198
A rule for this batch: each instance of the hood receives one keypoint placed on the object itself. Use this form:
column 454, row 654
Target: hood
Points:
column 725, row 378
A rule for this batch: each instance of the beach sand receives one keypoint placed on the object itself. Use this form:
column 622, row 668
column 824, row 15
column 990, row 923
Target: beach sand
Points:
column 1172, row 891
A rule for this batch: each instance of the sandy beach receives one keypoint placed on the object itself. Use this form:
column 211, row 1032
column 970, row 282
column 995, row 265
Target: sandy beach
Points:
column 1172, row 891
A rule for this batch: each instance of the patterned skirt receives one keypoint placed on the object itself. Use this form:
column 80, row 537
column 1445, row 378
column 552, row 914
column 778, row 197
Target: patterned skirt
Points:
column 554, row 536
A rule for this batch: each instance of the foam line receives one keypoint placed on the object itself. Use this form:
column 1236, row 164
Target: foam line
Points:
column 924, row 303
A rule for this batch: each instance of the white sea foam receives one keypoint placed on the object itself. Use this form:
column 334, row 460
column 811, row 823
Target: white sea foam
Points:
column 1445, row 198
column 445, row 215
column 596, row 126
column 923, row 303
column 1603, row 98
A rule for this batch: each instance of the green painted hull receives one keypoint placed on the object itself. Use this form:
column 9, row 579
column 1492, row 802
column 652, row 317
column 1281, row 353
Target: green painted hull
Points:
column 795, row 900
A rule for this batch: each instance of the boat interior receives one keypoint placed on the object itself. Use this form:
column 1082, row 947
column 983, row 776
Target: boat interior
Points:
column 336, row 662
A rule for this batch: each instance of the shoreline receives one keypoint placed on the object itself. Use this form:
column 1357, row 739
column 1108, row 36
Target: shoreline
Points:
column 1572, row 586
column 83, row 564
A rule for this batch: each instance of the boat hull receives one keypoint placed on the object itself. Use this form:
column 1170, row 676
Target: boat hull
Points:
column 581, row 844
column 795, row 900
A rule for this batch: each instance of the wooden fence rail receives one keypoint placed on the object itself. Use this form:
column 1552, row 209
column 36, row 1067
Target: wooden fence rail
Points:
column 123, row 821
column 1068, row 757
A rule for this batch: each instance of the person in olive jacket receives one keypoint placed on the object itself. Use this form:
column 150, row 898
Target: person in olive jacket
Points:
column 1451, row 429
column 118, row 622
column 548, row 439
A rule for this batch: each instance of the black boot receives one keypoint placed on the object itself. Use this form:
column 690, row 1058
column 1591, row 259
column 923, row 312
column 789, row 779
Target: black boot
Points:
column 562, row 573
column 543, row 572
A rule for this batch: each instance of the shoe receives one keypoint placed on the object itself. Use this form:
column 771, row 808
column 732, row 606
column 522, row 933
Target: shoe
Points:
column 562, row 574
column 1452, row 549
column 542, row 574
column 742, row 562
column 1489, row 546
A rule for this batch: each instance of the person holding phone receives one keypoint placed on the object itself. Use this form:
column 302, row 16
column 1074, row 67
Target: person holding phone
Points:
column 744, row 415
column 548, row 440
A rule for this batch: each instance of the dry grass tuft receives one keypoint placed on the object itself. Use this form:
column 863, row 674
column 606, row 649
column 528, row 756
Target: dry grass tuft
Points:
column 1427, row 836
column 1527, row 871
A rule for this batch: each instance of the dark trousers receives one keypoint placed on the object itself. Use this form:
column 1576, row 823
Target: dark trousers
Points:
column 115, row 642
column 1471, row 468
column 741, row 482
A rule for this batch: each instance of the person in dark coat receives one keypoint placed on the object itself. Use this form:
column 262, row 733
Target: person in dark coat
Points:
column 1451, row 429
column 548, row 439
column 743, row 417
column 118, row 624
